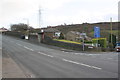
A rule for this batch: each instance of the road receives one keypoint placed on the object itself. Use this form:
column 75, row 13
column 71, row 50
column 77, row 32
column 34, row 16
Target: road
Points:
column 43, row 62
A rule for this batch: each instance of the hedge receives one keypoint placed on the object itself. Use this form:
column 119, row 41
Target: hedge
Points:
column 101, row 41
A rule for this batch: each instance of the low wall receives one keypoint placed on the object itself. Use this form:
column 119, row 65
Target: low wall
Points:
column 34, row 39
column 71, row 46
column 14, row 34
column 49, row 41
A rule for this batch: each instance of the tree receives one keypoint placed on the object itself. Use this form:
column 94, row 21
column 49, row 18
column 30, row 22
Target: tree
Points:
column 113, row 42
column 19, row 27
column 61, row 36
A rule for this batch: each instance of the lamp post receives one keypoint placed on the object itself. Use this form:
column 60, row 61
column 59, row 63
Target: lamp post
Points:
column 111, row 29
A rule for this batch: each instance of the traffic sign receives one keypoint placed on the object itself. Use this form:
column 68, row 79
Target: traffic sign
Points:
column 96, row 32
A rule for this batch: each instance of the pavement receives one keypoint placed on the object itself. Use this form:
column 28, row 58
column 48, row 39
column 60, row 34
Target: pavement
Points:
column 11, row 69
column 39, row 61
column 0, row 57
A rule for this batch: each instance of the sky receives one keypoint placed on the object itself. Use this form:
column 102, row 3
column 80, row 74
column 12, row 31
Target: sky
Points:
column 56, row 12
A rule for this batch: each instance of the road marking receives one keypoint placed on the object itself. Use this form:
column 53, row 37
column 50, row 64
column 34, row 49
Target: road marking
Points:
column 96, row 67
column 82, row 64
column 70, row 61
column 28, row 48
column 45, row 54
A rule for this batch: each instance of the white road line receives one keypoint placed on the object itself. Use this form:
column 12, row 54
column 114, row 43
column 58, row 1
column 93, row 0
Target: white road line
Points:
column 45, row 54
column 50, row 55
column 28, row 48
column 70, row 61
column 96, row 67
column 82, row 64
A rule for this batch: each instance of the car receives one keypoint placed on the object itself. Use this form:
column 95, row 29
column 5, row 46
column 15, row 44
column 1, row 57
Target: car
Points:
column 22, row 36
column 117, row 48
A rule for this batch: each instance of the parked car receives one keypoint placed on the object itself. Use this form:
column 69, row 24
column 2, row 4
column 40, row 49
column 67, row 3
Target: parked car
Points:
column 117, row 48
column 22, row 36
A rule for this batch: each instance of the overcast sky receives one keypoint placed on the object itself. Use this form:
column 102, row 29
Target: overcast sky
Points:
column 57, row 12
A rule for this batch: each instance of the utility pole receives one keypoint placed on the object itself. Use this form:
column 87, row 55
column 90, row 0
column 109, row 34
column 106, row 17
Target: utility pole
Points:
column 111, row 28
column 83, row 38
column 39, row 17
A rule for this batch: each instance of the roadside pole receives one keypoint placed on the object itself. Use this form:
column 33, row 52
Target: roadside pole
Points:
column 97, row 34
column 111, row 29
column 83, row 44
column 83, row 35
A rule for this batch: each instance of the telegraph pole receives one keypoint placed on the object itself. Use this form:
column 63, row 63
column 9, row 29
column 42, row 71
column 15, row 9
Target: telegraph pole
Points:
column 111, row 28
column 39, row 17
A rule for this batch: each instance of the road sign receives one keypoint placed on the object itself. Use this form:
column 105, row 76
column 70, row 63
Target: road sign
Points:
column 96, row 32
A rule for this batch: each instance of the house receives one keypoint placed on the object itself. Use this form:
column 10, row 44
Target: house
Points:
column 3, row 29
column 51, row 32
column 76, row 36
column 73, row 36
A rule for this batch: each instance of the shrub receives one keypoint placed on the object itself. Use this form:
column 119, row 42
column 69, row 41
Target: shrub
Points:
column 101, row 41
column 88, row 42
column 61, row 36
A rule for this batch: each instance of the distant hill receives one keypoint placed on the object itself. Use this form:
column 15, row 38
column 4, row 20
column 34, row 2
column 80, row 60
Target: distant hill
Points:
column 88, row 28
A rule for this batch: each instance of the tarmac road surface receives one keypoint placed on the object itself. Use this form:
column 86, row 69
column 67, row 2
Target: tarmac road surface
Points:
column 44, row 62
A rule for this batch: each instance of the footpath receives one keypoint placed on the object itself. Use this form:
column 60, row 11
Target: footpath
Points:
column 10, row 69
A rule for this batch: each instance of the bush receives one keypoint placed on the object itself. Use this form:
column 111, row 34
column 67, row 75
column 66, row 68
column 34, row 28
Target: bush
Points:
column 88, row 42
column 113, row 40
column 61, row 36
column 101, row 41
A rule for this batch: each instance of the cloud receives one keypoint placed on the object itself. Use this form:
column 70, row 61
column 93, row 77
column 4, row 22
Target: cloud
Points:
column 55, row 12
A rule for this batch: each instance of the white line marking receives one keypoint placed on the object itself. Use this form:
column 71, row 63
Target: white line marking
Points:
column 96, row 67
column 28, row 48
column 45, row 54
column 70, row 61
column 49, row 55
column 81, row 64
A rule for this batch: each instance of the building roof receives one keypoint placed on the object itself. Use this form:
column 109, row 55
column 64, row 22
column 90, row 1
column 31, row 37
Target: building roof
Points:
column 3, row 28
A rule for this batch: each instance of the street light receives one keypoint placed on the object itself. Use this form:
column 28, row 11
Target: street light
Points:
column 111, row 28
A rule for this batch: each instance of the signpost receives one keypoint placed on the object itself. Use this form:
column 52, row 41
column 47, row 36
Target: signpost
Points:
column 97, row 33
column 83, row 35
